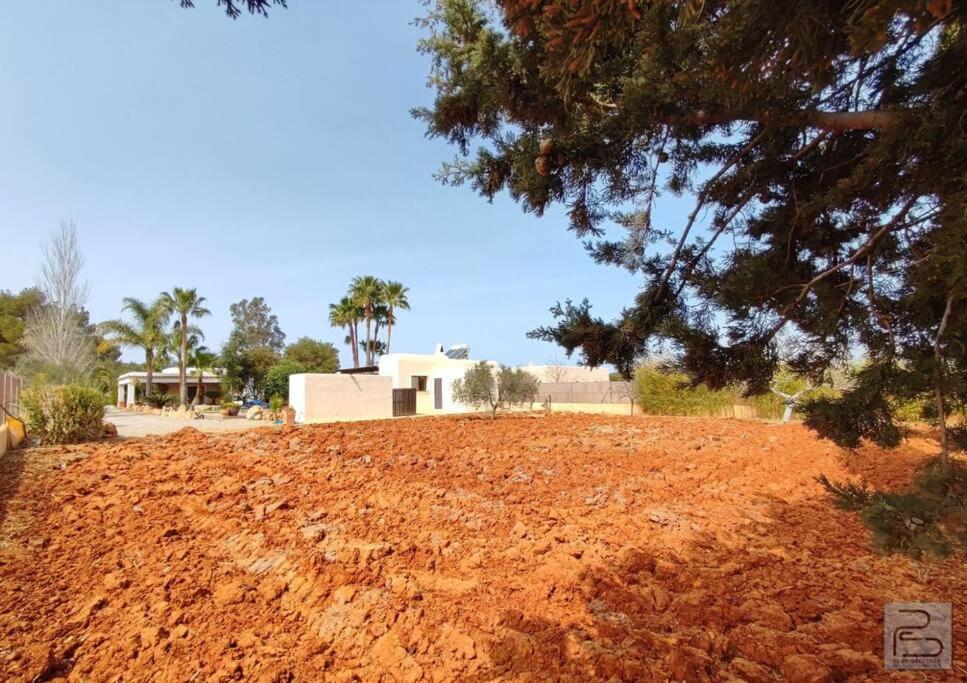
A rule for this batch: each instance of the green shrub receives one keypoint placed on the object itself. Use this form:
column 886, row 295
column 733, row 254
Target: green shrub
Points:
column 662, row 392
column 64, row 414
column 160, row 399
column 276, row 403
column 277, row 377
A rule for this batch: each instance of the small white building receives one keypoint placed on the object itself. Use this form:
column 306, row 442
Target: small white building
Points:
column 432, row 375
column 132, row 385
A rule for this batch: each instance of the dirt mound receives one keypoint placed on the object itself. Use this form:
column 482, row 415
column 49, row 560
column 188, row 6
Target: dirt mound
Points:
column 563, row 547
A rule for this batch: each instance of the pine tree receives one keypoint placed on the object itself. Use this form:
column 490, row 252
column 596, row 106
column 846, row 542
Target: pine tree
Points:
column 822, row 145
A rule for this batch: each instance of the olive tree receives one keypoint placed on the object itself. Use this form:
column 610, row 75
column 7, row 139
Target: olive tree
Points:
column 481, row 387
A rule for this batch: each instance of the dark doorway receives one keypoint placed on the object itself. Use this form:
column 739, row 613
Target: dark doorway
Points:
column 404, row 402
column 438, row 393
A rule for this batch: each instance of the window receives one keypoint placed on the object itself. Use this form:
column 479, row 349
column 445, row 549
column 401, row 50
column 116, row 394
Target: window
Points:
column 418, row 382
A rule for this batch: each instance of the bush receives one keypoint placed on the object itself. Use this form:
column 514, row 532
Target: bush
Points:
column 277, row 378
column 276, row 404
column 668, row 393
column 665, row 392
column 64, row 414
column 160, row 399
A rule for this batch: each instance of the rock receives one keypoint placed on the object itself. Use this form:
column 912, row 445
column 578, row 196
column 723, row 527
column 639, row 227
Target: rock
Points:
column 110, row 429
column 114, row 580
column 179, row 631
column 750, row 671
column 229, row 593
column 846, row 662
column 454, row 641
column 344, row 594
column 254, row 413
column 152, row 635
column 804, row 669
column 770, row 615
column 89, row 608
column 314, row 532
column 632, row 561
column 689, row 664
column 388, row 650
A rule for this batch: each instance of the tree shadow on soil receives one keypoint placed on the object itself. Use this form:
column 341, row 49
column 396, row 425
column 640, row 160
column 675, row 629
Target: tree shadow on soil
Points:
column 799, row 585
column 12, row 465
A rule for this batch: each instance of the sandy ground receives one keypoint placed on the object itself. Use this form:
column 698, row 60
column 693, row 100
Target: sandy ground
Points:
column 140, row 424
column 562, row 547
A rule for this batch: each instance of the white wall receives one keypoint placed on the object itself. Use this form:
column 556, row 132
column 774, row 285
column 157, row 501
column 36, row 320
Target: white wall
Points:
column 566, row 373
column 327, row 397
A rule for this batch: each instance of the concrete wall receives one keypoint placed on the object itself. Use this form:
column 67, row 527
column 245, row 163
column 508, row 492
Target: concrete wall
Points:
column 325, row 398
column 566, row 373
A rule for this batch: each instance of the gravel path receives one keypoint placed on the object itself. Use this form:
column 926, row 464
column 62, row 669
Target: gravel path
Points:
column 137, row 424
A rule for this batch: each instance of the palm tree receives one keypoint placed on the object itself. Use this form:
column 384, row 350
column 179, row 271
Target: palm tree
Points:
column 202, row 360
column 394, row 297
column 146, row 331
column 346, row 314
column 186, row 304
column 366, row 291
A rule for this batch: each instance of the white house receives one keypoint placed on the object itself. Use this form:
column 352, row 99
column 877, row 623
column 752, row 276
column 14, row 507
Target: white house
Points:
column 431, row 374
column 131, row 385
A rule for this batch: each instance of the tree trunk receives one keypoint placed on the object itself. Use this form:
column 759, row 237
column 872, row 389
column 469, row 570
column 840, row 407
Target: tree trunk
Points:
column 149, row 380
column 200, row 390
column 369, row 347
column 389, row 330
column 938, row 375
column 182, row 369
column 354, row 341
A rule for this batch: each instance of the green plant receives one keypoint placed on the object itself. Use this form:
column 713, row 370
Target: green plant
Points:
column 71, row 413
column 159, row 399
column 277, row 377
column 276, row 404
column 929, row 519
column 314, row 356
column 146, row 331
column 185, row 304
column 664, row 392
column 481, row 388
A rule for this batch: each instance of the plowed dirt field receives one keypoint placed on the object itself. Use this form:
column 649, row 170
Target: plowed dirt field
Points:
column 570, row 547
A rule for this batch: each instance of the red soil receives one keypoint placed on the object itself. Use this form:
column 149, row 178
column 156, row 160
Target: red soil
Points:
column 565, row 547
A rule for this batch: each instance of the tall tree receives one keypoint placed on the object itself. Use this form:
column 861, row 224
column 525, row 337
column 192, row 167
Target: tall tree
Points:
column 185, row 304
column 314, row 356
column 14, row 309
column 254, row 346
column 145, row 331
column 254, row 325
column 822, row 144
column 366, row 292
column 202, row 360
column 394, row 297
column 57, row 335
column 347, row 314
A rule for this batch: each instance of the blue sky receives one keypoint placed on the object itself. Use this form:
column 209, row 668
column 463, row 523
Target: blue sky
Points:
column 265, row 157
